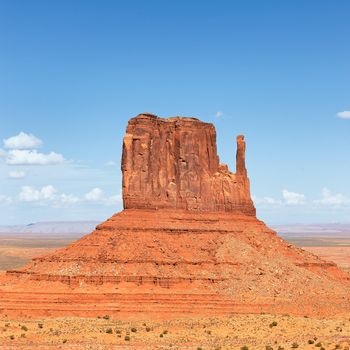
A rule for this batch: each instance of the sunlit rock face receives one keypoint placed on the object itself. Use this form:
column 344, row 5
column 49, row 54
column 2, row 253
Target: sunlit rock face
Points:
column 173, row 163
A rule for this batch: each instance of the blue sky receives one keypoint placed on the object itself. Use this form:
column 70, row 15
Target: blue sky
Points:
column 73, row 72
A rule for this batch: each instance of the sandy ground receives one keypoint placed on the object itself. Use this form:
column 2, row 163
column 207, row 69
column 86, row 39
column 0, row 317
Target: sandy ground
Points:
column 253, row 331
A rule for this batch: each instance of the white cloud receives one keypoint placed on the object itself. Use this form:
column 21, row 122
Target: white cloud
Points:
column 26, row 157
column 45, row 195
column 2, row 153
column 95, row 194
column 49, row 195
column 293, row 198
column 219, row 114
column 22, row 141
column 266, row 200
column 328, row 198
column 17, row 174
column 111, row 163
column 68, row 198
column 113, row 200
column 344, row 115
column 5, row 199
column 30, row 194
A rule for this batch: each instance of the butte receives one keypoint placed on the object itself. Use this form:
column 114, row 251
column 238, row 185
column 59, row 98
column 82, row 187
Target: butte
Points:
column 187, row 243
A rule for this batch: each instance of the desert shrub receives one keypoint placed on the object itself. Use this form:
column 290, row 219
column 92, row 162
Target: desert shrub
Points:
column 12, row 337
column 40, row 325
column 106, row 317
column 295, row 345
column 245, row 347
column 24, row 328
column 165, row 332
column 273, row 324
column 118, row 331
column 322, row 348
column 127, row 338
column 161, row 335
column 64, row 341
column 148, row 329
column 199, row 348
column 311, row 341
column 133, row 329
column 268, row 347
column 109, row 330
column 318, row 345
column 280, row 348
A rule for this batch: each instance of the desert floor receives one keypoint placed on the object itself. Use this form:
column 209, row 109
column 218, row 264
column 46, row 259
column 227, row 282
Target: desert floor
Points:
column 236, row 332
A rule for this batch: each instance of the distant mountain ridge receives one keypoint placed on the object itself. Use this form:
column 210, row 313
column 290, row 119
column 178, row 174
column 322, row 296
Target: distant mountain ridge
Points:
column 83, row 227
column 306, row 230
column 51, row 228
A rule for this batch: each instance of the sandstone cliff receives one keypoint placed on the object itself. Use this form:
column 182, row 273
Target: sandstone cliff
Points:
column 173, row 163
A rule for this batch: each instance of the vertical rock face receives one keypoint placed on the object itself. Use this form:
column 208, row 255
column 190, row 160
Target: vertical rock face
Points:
column 173, row 163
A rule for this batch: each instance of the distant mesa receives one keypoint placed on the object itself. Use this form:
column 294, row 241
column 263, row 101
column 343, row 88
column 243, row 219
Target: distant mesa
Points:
column 187, row 243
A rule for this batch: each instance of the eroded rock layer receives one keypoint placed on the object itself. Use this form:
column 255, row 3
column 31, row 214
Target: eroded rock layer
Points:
column 188, row 243
column 173, row 163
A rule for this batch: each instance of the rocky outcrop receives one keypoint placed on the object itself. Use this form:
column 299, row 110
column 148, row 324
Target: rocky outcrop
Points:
column 173, row 163
column 188, row 244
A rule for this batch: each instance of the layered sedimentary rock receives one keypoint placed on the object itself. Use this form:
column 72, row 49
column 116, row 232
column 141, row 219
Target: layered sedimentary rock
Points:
column 173, row 163
column 187, row 243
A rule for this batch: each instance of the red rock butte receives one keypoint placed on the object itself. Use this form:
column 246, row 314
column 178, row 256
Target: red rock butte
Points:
column 173, row 164
column 187, row 243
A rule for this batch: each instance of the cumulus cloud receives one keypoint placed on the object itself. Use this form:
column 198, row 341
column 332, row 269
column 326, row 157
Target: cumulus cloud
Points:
column 293, row 198
column 22, row 141
column 328, row 198
column 17, row 174
column 344, row 115
column 30, row 194
column 219, row 114
column 45, row 195
column 288, row 198
column 32, row 157
column 111, row 163
column 95, row 194
column 68, row 198
column 266, row 200
column 5, row 199
column 2, row 153
column 113, row 200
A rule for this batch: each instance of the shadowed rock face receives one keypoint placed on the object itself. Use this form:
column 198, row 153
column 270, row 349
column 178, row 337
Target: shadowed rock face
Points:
column 173, row 163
